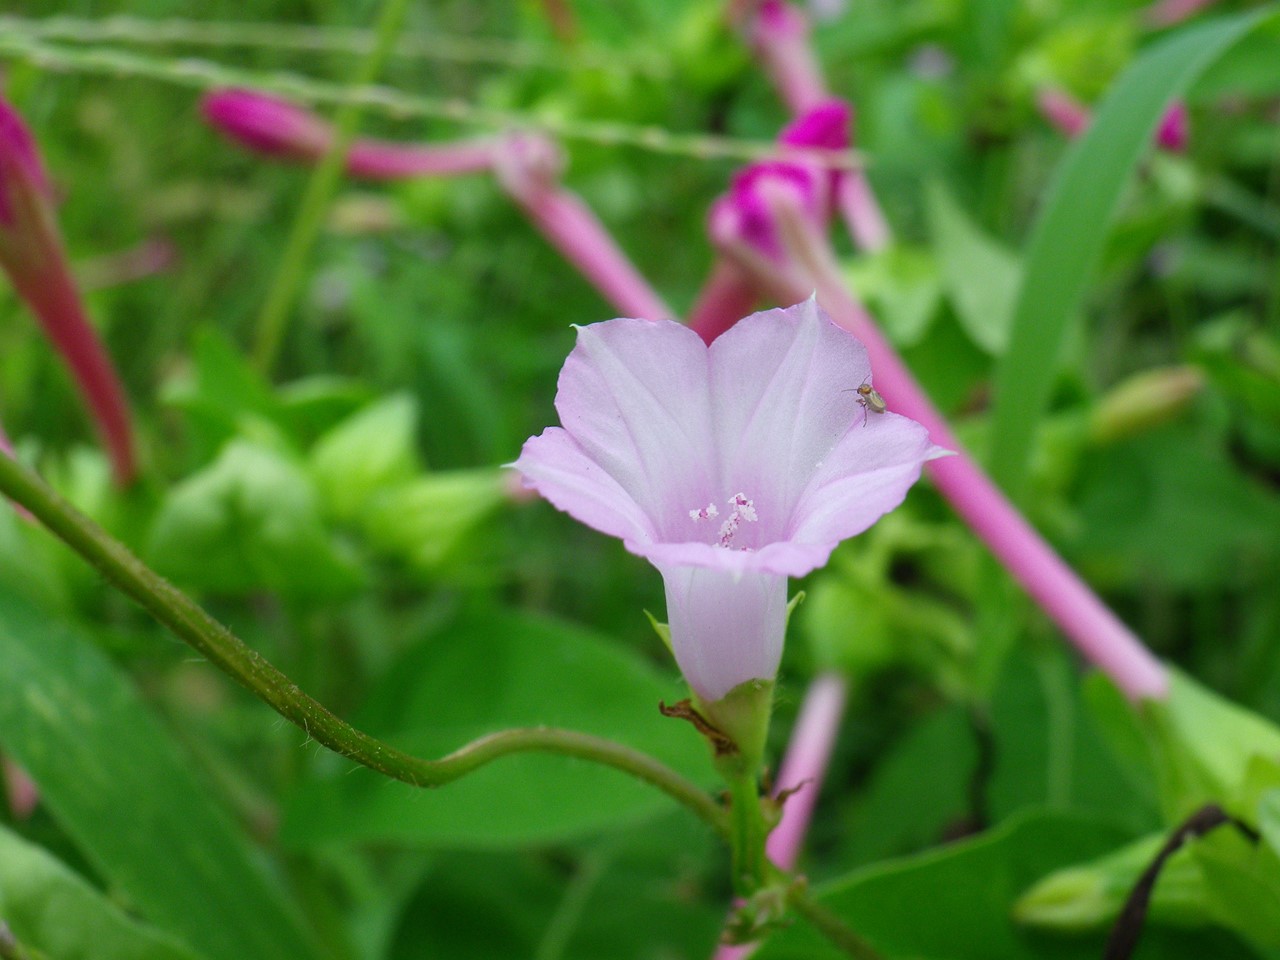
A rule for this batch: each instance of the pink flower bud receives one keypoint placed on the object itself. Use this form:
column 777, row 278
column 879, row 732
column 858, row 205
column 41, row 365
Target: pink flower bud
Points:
column 1173, row 133
column 828, row 126
column 23, row 181
column 31, row 253
column 268, row 124
column 746, row 213
column 1064, row 111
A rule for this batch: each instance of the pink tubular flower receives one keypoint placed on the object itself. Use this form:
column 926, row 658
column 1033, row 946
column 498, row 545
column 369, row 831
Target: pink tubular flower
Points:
column 32, row 254
column 268, row 124
column 281, row 129
column 729, row 467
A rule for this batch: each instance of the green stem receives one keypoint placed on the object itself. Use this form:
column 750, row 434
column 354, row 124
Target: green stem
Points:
column 831, row 926
column 747, row 834
column 224, row 649
column 320, row 188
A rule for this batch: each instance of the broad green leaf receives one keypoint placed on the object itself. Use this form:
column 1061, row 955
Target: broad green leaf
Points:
column 955, row 903
column 249, row 521
column 368, row 451
column 980, row 275
column 1068, row 236
column 623, row 897
column 125, row 794
column 485, row 673
column 50, row 909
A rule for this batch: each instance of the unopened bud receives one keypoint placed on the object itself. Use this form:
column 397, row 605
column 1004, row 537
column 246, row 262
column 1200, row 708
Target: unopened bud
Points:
column 268, row 124
column 1144, row 401
column 1091, row 895
column 26, row 217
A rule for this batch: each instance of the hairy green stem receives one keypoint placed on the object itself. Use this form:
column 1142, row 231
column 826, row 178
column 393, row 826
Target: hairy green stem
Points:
column 191, row 623
column 320, row 188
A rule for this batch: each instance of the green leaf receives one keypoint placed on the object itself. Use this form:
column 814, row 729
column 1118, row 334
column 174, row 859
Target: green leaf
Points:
column 250, row 521
column 1216, row 741
column 123, row 792
column 1169, row 508
column 1269, row 819
column 366, row 452
column 50, row 909
column 900, row 284
column 1196, row 745
column 980, row 276
column 488, row 672
column 512, row 904
column 426, row 520
column 955, row 903
column 1089, row 896
column 1243, row 884
column 223, row 395
column 1067, row 239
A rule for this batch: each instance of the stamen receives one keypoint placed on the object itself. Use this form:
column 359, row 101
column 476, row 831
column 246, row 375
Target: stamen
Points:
column 743, row 509
column 709, row 512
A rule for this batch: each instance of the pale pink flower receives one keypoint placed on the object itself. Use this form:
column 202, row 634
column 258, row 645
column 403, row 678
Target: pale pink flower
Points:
column 729, row 467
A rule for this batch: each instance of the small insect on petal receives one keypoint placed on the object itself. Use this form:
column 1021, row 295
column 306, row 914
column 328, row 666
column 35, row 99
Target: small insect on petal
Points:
column 869, row 399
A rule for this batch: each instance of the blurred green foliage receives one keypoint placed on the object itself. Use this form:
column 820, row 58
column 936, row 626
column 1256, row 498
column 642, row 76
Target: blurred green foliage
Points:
column 348, row 516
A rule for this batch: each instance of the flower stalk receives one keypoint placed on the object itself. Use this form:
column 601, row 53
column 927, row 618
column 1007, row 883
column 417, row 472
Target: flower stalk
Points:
column 799, row 781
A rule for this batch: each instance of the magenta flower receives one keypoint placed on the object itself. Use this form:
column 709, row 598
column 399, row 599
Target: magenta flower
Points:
column 729, row 467
column 745, row 213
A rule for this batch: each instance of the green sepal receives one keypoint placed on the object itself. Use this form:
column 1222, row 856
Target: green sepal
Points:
column 662, row 630
column 793, row 603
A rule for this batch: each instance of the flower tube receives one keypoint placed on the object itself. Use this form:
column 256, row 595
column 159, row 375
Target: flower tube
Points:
column 32, row 254
column 729, row 468
column 284, row 130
